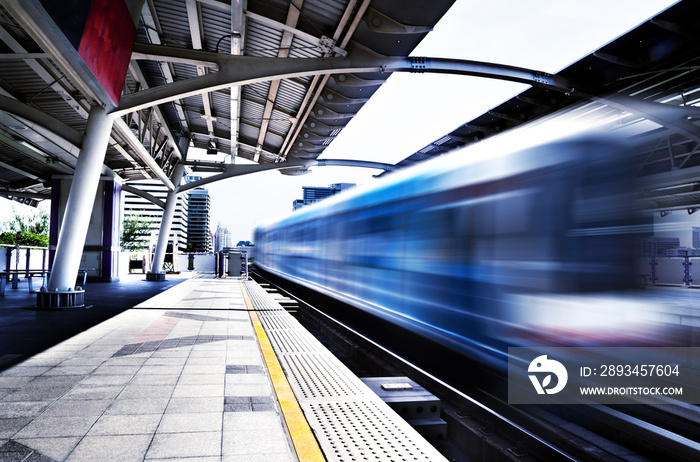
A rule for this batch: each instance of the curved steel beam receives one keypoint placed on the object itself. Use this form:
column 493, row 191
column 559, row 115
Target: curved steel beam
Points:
column 243, row 70
column 238, row 170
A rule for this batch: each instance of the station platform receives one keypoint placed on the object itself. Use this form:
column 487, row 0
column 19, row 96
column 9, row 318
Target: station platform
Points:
column 207, row 370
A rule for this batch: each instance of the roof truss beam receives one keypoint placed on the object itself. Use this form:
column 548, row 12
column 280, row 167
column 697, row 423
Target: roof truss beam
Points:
column 242, row 70
column 285, row 44
column 232, row 170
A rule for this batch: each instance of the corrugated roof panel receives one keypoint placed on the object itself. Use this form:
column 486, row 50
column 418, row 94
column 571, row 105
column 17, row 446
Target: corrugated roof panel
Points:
column 247, row 131
column 184, row 71
column 172, row 17
column 262, row 40
column 324, row 12
column 216, row 28
column 304, row 49
column 290, row 95
column 153, row 72
column 193, row 104
column 252, row 112
column 221, row 103
column 257, row 91
column 172, row 117
column 61, row 110
column 273, row 141
column 279, row 122
column 22, row 79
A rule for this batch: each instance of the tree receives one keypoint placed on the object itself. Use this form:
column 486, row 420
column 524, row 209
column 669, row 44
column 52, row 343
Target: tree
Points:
column 134, row 228
column 34, row 230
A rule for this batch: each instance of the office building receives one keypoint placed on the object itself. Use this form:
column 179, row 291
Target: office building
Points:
column 313, row 194
column 223, row 238
column 198, row 221
column 153, row 214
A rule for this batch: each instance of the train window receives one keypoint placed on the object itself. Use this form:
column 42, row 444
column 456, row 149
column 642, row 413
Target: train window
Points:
column 514, row 212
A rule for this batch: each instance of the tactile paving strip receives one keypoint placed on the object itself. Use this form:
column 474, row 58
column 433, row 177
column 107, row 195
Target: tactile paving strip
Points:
column 358, row 430
column 349, row 421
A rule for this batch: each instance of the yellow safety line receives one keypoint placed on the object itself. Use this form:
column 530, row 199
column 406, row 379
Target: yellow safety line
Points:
column 305, row 443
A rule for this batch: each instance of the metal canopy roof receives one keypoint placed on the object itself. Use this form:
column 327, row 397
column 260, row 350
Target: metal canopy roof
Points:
column 44, row 101
column 269, row 121
column 651, row 74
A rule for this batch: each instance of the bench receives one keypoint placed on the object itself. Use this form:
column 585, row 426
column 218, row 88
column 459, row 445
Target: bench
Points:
column 30, row 274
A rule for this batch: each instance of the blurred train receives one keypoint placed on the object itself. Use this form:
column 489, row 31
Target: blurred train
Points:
column 477, row 251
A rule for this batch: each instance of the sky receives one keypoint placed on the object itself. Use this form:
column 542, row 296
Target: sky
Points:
column 411, row 110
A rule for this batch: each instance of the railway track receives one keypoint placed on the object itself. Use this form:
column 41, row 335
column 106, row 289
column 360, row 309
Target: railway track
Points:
column 482, row 425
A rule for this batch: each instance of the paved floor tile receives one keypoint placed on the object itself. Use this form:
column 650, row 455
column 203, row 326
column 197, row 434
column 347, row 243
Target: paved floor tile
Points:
column 131, row 360
column 55, row 381
column 198, row 391
column 280, row 457
column 205, row 369
column 40, row 360
column 155, row 379
column 14, row 382
column 116, row 424
column 161, row 370
column 21, row 409
column 36, row 394
column 200, row 422
column 55, row 448
column 138, row 406
column 22, row 371
column 70, row 407
column 82, row 391
column 195, row 405
column 202, row 379
column 171, row 361
column 149, row 385
column 116, row 370
column 122, row 448
column 249, row 442
column 10, row 426
column 146, row 391
column 205, row 360
column 70, row 370
column 263, row 389
column 191, row 459
column 166, row 445
column 242, row 421
column 113, row 380
column 57, row 426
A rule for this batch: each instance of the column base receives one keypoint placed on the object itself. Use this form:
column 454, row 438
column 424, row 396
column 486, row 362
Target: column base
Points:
column 61, row 300
column 152, row 276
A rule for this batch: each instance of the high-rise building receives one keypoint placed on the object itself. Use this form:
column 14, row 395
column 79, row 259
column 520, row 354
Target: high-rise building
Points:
column 153, row 214
column 198, row 226
column 696, row 237
column 223, row 238
column 313, row 194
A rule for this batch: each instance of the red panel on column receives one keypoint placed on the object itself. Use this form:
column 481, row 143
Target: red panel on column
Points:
column 107, row 43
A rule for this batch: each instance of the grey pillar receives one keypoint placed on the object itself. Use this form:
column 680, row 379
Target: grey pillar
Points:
column 76, row 218
column 157, row 273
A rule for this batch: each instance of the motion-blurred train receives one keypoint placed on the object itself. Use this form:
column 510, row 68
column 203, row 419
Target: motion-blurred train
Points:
column 479, row 249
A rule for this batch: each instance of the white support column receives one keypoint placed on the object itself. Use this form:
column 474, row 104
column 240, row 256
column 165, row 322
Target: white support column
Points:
column 157, row 273
column 76, row 219
column 237, row 43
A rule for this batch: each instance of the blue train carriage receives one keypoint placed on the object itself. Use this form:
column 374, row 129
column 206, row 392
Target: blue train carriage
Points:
column 443, row 248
